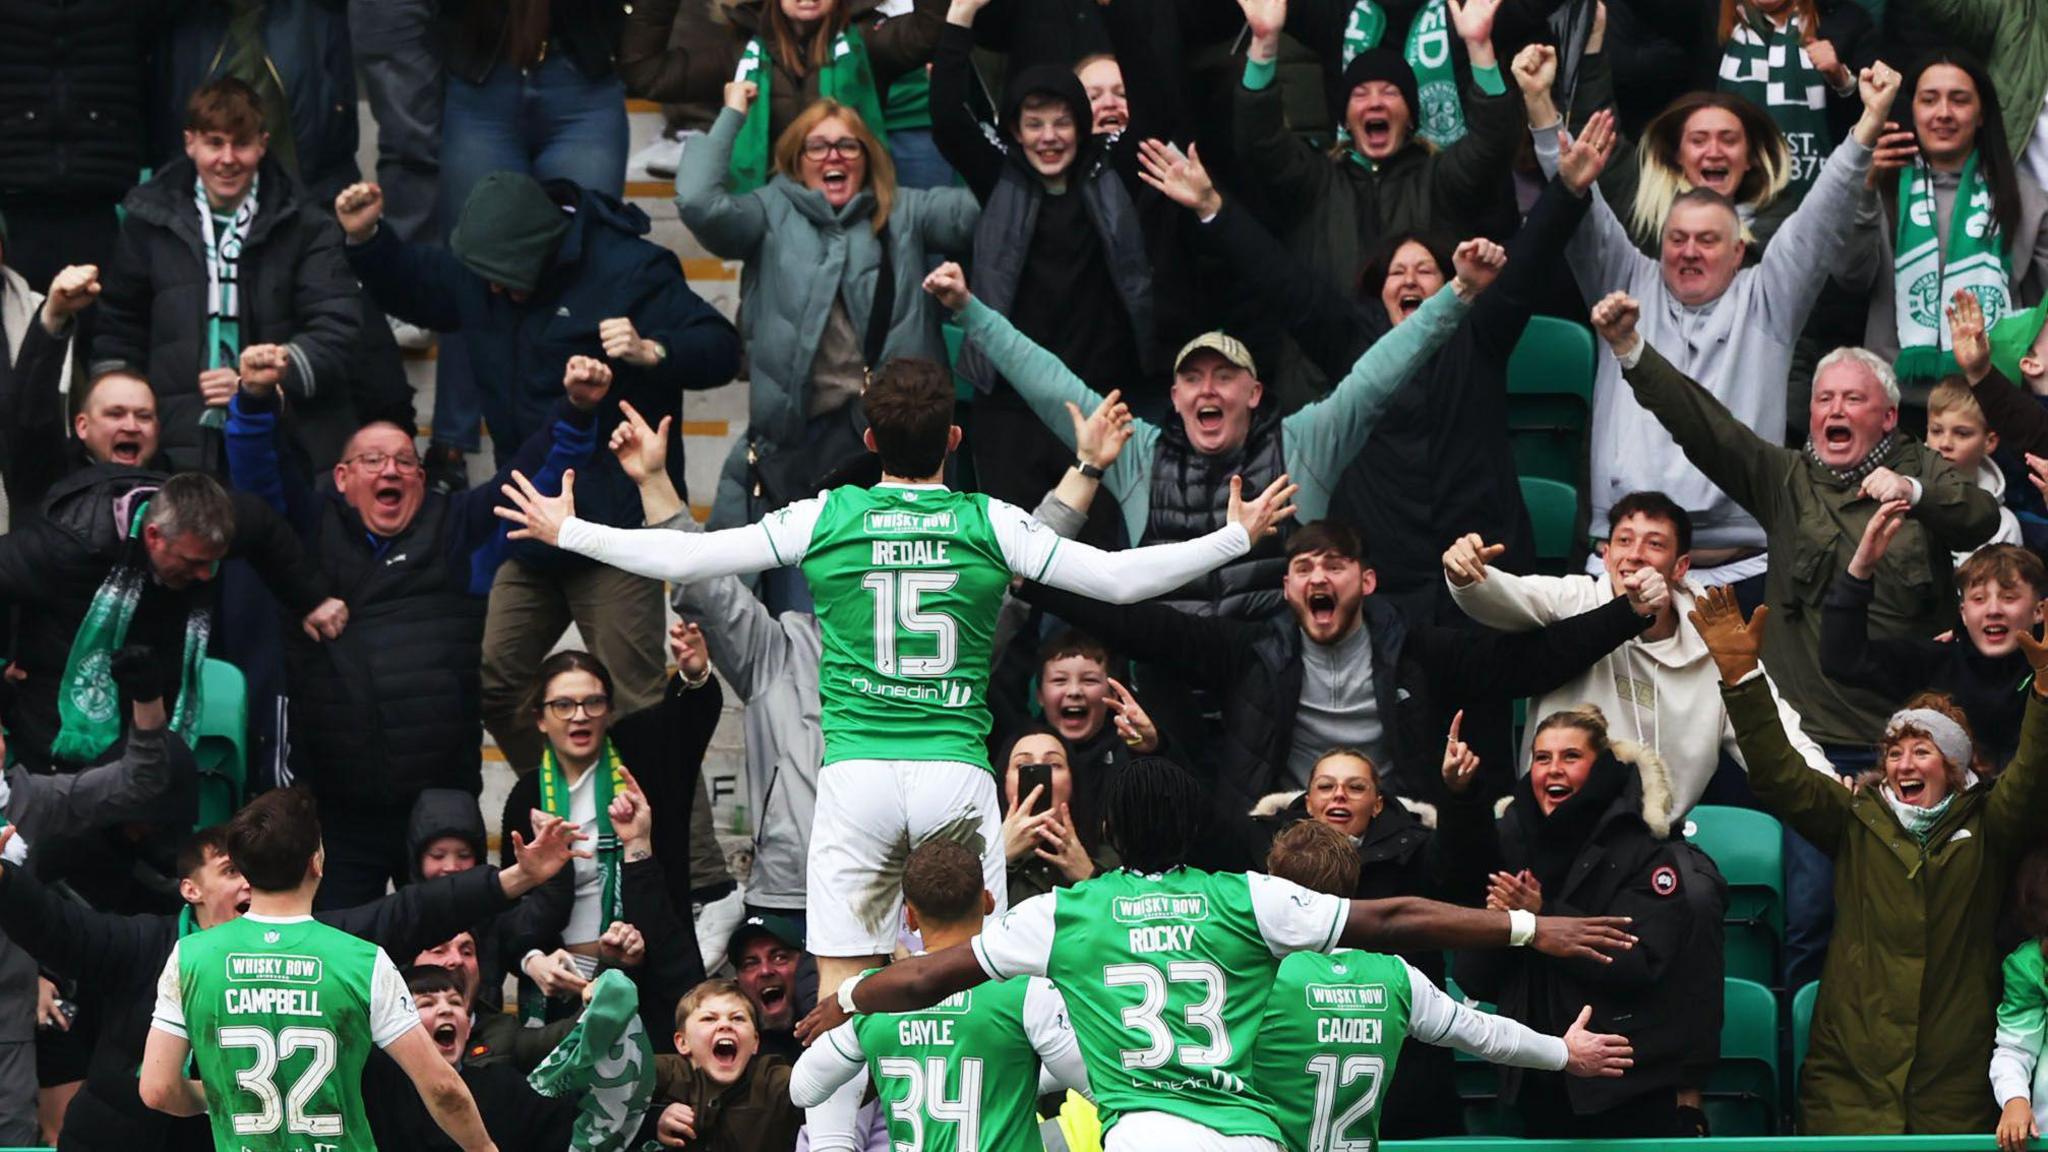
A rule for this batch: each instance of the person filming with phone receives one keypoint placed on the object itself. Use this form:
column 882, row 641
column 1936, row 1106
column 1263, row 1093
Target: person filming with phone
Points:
column 1046, row 847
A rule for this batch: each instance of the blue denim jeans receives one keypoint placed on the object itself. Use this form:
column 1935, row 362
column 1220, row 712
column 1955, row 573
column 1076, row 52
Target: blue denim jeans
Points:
column 1810, row 884
column 550, row 122
column 918, row 163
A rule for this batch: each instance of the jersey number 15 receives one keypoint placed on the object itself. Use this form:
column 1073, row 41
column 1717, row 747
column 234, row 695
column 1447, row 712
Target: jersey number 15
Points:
column 897, row 613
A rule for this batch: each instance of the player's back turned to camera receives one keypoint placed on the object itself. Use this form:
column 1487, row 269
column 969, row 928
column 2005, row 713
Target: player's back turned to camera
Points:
column 276, row 1012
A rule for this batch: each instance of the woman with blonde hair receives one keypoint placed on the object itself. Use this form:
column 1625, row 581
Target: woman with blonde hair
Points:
column 1924, row 852
column 835, row 254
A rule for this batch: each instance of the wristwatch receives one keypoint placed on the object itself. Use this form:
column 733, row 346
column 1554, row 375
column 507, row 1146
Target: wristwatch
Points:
column 1087, row 470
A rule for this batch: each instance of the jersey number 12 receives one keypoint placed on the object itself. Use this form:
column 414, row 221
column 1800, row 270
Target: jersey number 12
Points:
column 896, row 612
column 1329, row 1134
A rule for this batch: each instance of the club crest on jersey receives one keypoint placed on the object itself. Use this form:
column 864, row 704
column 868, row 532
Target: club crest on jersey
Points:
column 1664, row 881
column 1162, row 906
column 898, row 522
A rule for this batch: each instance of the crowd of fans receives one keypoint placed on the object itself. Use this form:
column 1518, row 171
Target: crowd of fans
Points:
column 1216, row 304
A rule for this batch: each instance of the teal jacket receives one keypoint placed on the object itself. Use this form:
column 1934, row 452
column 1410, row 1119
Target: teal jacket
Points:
column 1318, row 441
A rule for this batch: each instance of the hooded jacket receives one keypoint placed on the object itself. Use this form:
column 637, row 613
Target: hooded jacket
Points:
column 1608, row 851
column 1421, row 674
column 535, row 921
column 294, row 289
column 1908, row 1000
column 1012, row 194
column 802, row 257
column 1813, row 520
column 1663, row 694
column 604, row 267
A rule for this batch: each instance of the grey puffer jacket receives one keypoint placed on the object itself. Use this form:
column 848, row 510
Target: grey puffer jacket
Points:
column 801, row 255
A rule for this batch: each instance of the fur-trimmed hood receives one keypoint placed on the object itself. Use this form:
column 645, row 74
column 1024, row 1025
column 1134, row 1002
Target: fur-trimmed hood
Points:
column 1277, row 804
column 1650, row 792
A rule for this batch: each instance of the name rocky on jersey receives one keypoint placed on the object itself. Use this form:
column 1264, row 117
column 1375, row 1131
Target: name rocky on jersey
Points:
column 1162, row 938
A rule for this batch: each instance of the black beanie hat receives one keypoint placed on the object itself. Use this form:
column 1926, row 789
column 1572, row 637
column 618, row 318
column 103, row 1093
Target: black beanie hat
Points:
column 1388, row 65
column 508, row 230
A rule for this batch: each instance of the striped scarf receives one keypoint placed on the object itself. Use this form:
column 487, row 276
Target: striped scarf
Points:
column 223, row 297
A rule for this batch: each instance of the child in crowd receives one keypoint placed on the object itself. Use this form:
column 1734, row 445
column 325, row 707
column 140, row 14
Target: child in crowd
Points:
column 721, row 1093
column 2019, row 1080
column 1981, row 667
column 1959, row 434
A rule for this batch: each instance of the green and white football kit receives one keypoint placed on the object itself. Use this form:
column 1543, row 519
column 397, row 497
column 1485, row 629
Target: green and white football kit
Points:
column 281, row 1014
column 1167, row 980
column 1333, row 1030
column 961, row 1076
column 908, row 580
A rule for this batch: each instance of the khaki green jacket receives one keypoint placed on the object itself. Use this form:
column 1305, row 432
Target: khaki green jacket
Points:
column 1903, row 1028
column 1812, row 522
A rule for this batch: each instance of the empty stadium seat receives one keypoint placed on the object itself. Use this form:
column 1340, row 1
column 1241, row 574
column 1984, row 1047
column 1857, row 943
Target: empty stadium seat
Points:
column 221, row 744
column 1748, row 846
column 1802, row 1027
column 1550, row 398
column 1553, row 515
column 1741, row 1097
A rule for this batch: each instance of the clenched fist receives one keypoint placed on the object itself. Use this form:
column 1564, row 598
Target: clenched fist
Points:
column 359, row 207
column 74, row 288
column 263, row 368
column 623, row 342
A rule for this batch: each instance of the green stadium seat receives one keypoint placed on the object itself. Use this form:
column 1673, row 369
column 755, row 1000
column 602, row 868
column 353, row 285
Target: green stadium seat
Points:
column 1553, row 515
column 1550, row 398
column 1802, row 1027
column 1748, row 846
column 1741, row 1097
column 221, row 745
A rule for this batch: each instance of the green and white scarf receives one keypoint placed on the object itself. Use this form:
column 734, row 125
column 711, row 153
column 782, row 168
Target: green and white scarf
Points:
column 1428, row 51
column 605, row 1064
column 554, row 800
column 88, row 704
column 1924, row 282
column 846, row 78
column 1769, row 67
column 223, row 295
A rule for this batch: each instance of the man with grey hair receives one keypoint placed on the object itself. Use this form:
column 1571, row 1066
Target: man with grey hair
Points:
column 1728, row 326
column 1813, row 504
column 123, row 554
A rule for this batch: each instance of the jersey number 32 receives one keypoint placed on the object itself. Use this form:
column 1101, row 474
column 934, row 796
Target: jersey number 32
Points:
column 258, row 1080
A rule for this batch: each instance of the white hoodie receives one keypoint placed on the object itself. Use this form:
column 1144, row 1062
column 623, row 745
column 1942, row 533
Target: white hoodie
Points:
column 1662, row 694
column 1990, row 479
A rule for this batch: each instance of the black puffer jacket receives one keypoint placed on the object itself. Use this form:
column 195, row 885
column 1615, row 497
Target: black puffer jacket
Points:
column 295, row 289
column 1421, row 675
column 71, row 98
column 1615, row 855
column 536, row 921
column 473, row 35
column 1191, row 498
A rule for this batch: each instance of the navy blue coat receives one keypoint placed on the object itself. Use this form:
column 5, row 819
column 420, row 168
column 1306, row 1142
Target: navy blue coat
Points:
column 518, row 349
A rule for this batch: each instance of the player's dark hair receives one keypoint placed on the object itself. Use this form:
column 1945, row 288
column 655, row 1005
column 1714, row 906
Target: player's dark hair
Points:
column 193, row 850
column 1657, row 506
column 909, row 407
column 1328, row 536
column 1315, row 856
column 942, row 881
column 1152, row 814
column 431, row 979
column 567, row 660
column 273, row 838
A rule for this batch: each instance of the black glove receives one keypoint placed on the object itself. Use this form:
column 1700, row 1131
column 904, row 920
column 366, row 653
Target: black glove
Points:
column 137, row 674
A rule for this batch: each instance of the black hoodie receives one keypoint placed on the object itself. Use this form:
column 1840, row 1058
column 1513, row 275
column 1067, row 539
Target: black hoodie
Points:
column 536, row 921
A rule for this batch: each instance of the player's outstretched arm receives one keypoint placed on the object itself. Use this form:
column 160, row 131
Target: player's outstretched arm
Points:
column 657, row 553
column 904, row 986
column 162, row 1081
column 1435, row 1018
column 825, row 1067
column 1136, row 574
column 1408, row 923
column 440, row 1086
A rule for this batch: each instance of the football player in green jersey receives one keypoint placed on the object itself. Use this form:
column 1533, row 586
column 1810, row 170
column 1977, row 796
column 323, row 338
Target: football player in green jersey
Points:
column 965, row 1073
column 908, row 577
column 1167, row 969
column 1335, row 1021
column 279, row 1011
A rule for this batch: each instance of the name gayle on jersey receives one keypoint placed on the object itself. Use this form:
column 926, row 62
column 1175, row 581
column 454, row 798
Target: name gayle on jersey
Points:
column 273, row 1001
column 909, row 553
